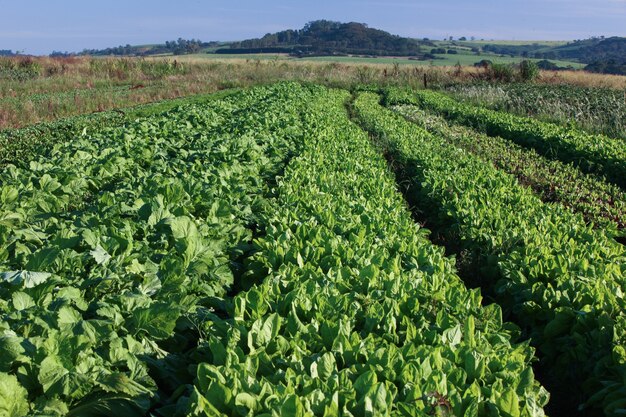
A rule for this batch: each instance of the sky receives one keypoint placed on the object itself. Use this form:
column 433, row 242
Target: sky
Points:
column 41, row 26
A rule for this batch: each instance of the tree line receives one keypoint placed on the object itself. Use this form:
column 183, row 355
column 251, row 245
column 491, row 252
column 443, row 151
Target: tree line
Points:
column 176, row 47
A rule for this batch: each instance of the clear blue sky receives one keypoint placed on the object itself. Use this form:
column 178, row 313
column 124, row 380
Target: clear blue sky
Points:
column 40, row 26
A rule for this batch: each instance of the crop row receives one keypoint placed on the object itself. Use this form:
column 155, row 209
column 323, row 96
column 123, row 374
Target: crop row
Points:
column 21, row 144
column 562, row 280
column 26, row 143
column 116, row 244
column 591, row 153
column 598, row 201
column 359, row 314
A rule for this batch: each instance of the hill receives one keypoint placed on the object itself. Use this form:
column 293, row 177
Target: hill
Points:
column 605, row 55
column 324, row 37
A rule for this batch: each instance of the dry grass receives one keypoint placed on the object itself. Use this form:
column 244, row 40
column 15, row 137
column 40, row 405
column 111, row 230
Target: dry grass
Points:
column 584, row 79
column 42, row 89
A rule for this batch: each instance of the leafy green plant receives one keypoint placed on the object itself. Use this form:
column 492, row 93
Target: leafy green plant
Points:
column 599, row 202
column 561, row 280
column 116, row 245
column 594, row 154
column 359, row 314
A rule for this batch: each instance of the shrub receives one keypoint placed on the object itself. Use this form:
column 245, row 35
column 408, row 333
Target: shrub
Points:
column 500, row 72
column 528, row 70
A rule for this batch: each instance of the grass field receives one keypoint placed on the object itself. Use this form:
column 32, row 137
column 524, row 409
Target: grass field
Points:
column 442, row 59
column 507, row 42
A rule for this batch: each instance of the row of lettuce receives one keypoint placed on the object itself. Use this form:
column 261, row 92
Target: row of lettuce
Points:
column 359, row 314
column 596, row 154
column 561, row 279
column 25, row 143
column 599, row 202
column 116, row 245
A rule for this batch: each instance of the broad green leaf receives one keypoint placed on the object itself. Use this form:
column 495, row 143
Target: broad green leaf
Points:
column 158, row 320
column 51, row 370
column 22, row 301
column 508, row 403
column 100, row 255
column 8, row 194
column 332, row 409
column 207, row 373
column 365, row 382
column 326, row 365
column 264, row 331
column 202, row 407
column 27, row 279
column 10, row 350
column 380, row 400
column 10, row 219
column 453, row 335
column 246, row 401
column 53, row 407
column 187, row 237
column 68, row 316
column 13, row 397
column 49, row 184
column 292, row 407
column 221, row 397
column 42, row 259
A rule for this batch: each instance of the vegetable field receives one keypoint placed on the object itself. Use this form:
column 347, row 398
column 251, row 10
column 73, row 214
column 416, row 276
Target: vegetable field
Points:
column 296, row 250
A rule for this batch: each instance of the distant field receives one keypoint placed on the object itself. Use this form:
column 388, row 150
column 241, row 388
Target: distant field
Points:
column 512, row 42
column 471, row 59
column 239, row 56
column 443, row 59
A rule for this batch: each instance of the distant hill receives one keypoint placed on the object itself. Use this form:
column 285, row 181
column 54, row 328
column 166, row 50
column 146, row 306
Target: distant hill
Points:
column 603, row 55
column 606, row 55
column 592, row 50
column 324, row 37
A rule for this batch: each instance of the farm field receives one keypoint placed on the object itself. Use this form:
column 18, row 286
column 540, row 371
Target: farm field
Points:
column 324, row 247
